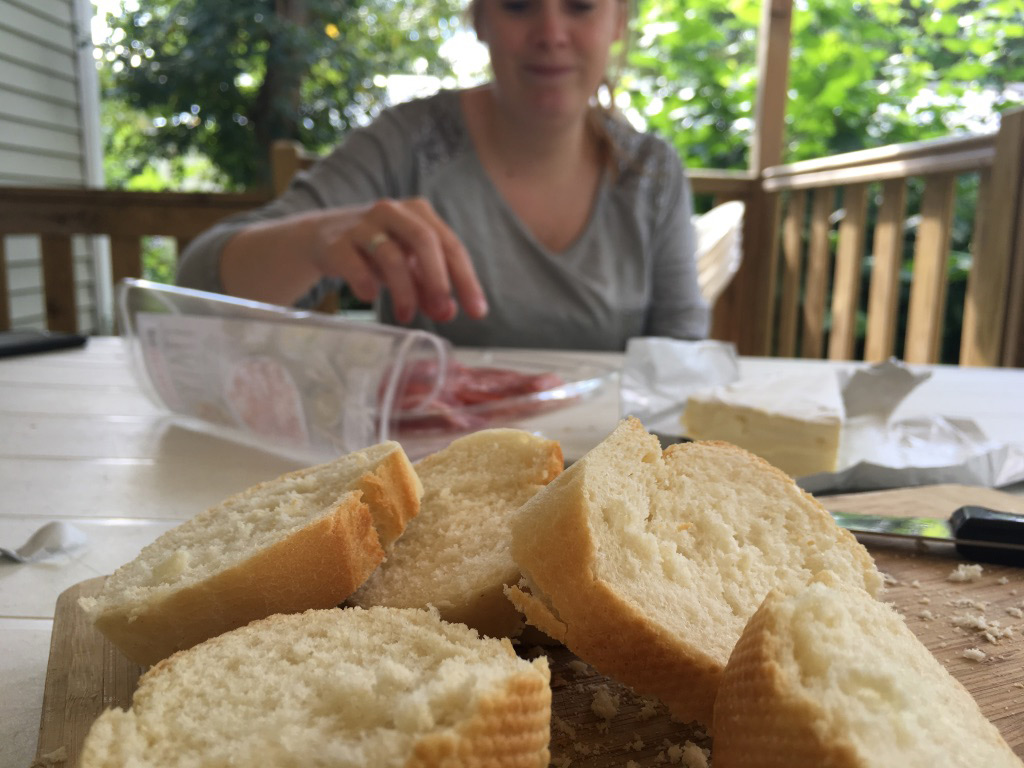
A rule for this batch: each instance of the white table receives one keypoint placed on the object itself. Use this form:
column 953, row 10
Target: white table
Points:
column 80, row 442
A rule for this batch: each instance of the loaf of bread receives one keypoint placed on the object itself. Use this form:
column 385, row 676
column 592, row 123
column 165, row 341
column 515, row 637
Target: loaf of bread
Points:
column 455, row 554
column 347, row 688
column 307, row 539
column 830, row 677
column 648, row 565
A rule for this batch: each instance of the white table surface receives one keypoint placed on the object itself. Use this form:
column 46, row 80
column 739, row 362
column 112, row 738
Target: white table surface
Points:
column 79, row 442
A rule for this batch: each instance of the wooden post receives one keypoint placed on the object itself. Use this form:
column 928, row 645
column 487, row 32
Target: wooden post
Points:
column 5, row 306
column 1013, row 345
column 755, row 281
column 59, row 283
column 125, row 257
column 286, row 159
column 998, row 256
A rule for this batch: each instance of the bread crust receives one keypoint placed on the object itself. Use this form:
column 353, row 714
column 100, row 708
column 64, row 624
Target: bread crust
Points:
column 510, row 729
column 755, row 707
column 555, row 546
column 516, row 457
column 392, row 492
column 317, row 566
column 767, row 717
column 596, row 623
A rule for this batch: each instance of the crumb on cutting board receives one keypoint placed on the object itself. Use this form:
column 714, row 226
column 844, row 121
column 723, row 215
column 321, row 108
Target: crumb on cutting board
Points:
column 59, row 755
column 965, row 572
column 605, row 704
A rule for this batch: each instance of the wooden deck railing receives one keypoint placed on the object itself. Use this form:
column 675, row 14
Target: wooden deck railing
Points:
column 55, row 215
column 805, row 306
column 814, row 287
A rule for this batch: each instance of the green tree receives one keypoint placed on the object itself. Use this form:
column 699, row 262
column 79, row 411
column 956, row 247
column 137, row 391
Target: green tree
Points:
column 862, row 74
column 225, row 79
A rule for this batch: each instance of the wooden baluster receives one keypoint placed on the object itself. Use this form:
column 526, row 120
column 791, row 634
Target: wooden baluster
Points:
column 125, row 261
column 772, row 218
column 816, row 289
column 884, row 295
column 931, row 280
column 125, row 257
column 792, row 267
column 181, row 243
column 59, row 283
column 846, row 286
column 5, row 303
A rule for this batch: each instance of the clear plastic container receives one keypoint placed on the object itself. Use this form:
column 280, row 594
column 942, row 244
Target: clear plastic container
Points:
column 314, row 386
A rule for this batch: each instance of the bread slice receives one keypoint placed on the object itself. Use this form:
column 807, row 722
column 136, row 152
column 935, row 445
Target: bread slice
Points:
column 831, row 677
column 305, row 540
column 648, row 565
column 346, row 688
column 455, row 554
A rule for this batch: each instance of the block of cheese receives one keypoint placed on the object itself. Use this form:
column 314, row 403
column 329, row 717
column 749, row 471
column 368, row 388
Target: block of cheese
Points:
column 793, row 421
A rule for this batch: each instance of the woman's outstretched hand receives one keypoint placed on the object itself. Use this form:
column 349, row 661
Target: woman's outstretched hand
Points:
column 402, row 245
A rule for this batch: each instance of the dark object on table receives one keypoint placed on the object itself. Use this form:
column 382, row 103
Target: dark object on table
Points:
column 25, row 342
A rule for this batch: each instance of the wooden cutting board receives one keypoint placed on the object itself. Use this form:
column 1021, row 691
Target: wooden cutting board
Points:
column 87, row 675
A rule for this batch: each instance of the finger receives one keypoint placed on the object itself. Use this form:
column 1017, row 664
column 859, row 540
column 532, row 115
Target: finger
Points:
column 417, row 231
column 387, row 259
column 459, row 267
column 345, row 260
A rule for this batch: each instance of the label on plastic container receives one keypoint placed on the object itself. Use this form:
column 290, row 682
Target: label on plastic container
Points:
column 290, row 383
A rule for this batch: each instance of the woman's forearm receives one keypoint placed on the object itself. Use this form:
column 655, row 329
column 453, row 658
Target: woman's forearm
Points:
column 276, row 261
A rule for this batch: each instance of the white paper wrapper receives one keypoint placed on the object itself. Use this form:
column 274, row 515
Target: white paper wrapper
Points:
column 876, row 452
column 659, row 374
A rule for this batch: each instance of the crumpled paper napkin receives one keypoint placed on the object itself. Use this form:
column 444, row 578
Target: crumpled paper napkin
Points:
column 56, row 538
column 877, row 451
column 659, row 374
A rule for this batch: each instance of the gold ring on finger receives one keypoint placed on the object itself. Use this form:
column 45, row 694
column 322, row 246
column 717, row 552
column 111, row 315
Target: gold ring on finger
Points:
column 375, row 242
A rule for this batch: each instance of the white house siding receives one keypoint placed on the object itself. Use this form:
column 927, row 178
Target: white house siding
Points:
column 45, row 135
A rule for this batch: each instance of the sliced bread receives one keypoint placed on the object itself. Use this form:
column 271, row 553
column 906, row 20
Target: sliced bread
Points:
column 348, row 688
column 307, row 539
column 833, row 678
column 648, row 565
column 455, row 554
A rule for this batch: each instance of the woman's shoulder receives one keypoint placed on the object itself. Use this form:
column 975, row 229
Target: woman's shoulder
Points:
column 432, row 124
column 639, row 152
column 648, row 168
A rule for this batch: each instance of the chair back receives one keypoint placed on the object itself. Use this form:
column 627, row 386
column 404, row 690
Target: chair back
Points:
column 287, row 158
column 719, row 247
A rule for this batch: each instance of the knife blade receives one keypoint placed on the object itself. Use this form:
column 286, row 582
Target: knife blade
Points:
column 978, row 533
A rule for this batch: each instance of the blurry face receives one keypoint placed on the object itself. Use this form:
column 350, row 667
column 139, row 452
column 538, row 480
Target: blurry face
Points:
column 548, row 56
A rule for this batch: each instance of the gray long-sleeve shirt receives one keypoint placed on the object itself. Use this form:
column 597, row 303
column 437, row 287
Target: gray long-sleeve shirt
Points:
column 631, row 272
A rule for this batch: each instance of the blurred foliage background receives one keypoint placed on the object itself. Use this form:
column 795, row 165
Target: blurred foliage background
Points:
column 190, row 81
column 195, row 91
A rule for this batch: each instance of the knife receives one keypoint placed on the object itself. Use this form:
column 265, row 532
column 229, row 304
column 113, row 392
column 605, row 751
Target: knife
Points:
column 978, row 533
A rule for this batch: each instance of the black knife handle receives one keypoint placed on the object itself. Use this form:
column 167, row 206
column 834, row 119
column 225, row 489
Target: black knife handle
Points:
column 982, row 524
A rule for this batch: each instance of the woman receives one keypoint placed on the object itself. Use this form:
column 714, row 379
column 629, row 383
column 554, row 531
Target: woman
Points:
column 544, row 220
